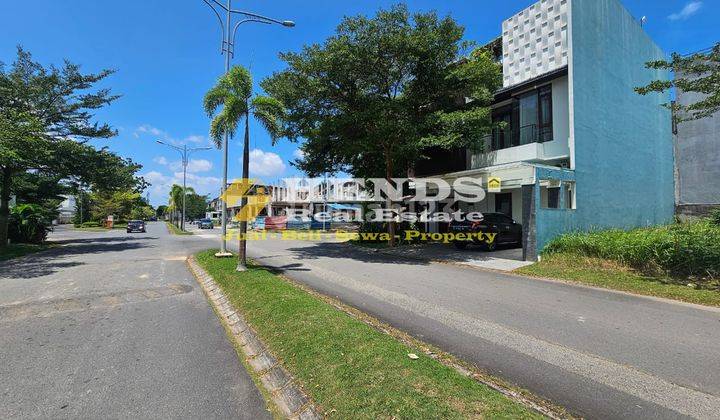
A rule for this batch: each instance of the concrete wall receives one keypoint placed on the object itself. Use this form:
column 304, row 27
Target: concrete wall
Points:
column 697, row 158
column 622, row 141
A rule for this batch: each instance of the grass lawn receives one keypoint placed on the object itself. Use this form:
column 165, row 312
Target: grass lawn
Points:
column 176, row 230
column 18, row 250
column 350, row 369
column 612, row 275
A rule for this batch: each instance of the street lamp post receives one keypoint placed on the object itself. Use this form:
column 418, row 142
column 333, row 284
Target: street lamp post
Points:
column 185, row 152
column 227, row 47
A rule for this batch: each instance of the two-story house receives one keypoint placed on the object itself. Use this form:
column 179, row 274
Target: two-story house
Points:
column 579, row 149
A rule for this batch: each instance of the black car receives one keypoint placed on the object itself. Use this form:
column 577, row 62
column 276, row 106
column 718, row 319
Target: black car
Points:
column 205, row 224
column 136, row 226
column 507, row 231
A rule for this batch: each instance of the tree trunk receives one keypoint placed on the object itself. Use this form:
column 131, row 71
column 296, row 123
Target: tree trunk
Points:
column 5, row 206
column 388, row 201
column 242, row 250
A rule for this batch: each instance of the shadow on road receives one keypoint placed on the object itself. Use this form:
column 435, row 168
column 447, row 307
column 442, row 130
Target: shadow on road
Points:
column 55, row 259
column 345, row 250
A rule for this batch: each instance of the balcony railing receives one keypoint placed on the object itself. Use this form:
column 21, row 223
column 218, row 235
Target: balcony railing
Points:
column 504, row 138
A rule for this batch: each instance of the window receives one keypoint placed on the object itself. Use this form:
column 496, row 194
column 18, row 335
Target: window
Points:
column 528, row 117
column 545, row 130
column 570, row 198
column 550, row 194
column 553, row 198
column 527, row 120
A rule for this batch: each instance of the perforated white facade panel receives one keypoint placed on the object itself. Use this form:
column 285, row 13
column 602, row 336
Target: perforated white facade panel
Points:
column 535, row 41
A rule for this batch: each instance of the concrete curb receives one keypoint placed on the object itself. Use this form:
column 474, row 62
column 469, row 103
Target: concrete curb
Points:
column 284, row 391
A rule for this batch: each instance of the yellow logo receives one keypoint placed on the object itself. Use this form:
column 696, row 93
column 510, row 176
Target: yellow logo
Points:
column 255, row 198
column 494, row 184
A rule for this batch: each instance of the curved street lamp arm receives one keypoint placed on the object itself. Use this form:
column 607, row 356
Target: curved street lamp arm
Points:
column 222, row 25
column 220, row 5
column 256, row 16
column 234, row 31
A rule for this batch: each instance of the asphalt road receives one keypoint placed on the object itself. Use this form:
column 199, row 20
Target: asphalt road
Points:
column 112, row 325
column 600, row 354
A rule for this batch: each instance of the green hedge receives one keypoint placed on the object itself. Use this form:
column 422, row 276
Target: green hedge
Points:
column 687, row 249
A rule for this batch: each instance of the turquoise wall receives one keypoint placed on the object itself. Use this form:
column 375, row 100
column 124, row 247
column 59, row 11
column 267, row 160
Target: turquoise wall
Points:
column 623, row 141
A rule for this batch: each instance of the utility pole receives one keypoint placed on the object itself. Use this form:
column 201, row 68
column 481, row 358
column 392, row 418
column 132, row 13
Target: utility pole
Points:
column 227, row 47
column 185, row 152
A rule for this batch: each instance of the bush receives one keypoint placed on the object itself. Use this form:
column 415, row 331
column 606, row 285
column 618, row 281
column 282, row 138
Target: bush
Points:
column 29, row 224
column 688, row 249
column 715, row 216
column 90, row 225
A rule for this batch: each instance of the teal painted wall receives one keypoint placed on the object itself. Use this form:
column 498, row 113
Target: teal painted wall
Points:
column 623, row 141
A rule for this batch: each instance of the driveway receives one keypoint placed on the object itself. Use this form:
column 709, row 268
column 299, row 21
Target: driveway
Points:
column 599, row 353
column 113, row 325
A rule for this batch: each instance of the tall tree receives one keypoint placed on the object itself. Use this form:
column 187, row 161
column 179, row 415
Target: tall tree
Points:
column 45, row 116
column 175, row 201
column 233, row 92
column 697, row 73
column 373, row 97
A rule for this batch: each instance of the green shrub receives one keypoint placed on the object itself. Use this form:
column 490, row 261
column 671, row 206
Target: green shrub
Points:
column 688, row 249
column 715, row 216
column 29, row 224
column 90, row 224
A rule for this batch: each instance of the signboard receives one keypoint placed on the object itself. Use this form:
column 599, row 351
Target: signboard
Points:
column 494, row 184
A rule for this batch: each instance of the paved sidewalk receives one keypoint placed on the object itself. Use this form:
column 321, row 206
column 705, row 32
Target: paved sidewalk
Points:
column 507, row 259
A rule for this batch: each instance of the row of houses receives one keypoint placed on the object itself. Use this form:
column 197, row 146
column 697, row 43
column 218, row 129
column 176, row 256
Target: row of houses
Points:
column 579, row 150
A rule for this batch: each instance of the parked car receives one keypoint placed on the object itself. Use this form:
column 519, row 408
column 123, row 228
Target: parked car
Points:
column 136, row 226
column 205, row 224
column 507, row 230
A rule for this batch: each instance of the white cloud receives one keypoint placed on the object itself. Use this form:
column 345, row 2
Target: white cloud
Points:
column 148, row 129
column 161, row 184
column 199, row 165
column 689, row 10
column 158, row 134
column 161, row 160
column 201, row 184
column 194, row 165
column 195, row 139
column 299, row 154
column 265, row 163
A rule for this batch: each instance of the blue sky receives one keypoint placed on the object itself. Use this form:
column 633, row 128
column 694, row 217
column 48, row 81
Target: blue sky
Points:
column 166, row 54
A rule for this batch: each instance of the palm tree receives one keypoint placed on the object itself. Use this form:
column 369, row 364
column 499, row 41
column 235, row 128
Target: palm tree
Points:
column 175, row 202
column 234, row 93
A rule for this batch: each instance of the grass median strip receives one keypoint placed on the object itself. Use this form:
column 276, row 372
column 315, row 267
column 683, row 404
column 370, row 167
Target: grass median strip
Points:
column 176, row 230
column 613, row 275
column 347, row 367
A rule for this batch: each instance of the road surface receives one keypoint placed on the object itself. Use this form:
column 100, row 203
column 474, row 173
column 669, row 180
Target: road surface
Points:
column 600, row 354
column 112, row 325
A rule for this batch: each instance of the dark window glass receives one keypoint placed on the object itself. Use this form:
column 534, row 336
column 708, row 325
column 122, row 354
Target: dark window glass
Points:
column 545, row 114
column 553, row 198
column 528, row 117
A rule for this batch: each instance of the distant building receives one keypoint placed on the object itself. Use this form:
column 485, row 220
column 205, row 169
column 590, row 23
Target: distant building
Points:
column 66, row 210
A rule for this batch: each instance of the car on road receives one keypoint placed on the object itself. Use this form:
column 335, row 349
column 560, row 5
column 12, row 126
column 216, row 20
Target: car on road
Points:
column 136, row 226
column 205, row 224
column 507, row 231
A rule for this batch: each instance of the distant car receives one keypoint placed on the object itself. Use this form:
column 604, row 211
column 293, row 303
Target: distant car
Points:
column 136, row 226
column 507, row 231
column 205, row 224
